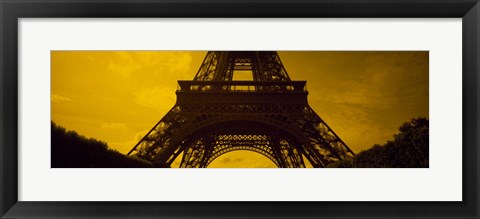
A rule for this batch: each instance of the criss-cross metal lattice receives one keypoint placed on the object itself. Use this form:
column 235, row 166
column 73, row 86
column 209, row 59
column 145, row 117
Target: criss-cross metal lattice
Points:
column 218, row 144
column 220, row 66
column 215, row 115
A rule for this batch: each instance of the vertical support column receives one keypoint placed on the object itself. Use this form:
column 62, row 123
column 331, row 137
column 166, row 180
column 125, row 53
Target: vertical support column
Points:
column 196, row 155
column 292, row 155
column 277, row 151
column 315, row 158
column 295, row 157
column 192, row 154
column 210, row 142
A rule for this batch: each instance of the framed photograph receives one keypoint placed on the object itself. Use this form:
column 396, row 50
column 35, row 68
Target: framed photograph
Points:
column 255, row 109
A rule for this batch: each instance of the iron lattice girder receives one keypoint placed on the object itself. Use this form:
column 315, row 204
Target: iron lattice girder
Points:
column 242, row 86
column 220, row 66
column 167, row 139
column 281, row 152
column 212, row 102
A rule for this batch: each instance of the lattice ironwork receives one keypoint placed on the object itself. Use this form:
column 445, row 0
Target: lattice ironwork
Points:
column 215, row 115
column 220, row 66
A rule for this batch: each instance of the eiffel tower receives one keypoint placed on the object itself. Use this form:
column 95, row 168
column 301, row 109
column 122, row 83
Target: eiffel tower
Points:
column 215, row 114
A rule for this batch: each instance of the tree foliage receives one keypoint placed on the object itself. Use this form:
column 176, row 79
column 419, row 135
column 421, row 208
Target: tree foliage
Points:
column 71, row 150
column 409, row 149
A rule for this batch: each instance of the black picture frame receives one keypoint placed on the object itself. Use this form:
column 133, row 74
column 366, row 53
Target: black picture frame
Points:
column 12, row 10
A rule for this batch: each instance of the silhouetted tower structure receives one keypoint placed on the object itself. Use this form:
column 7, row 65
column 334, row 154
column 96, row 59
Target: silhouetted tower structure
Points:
column 215, row 115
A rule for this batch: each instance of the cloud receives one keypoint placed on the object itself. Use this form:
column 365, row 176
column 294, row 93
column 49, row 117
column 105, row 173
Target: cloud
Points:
column 179, row 64
column 371, row 92
column 380, row 80
column 160, row 98
column 242, row 159
column 151, row 76
column 126, row 146
column 124, row 69
column 156, row 64
column 117, row 127
column 235, row 159
column 381, row 92
column 358, row 127
column 59, row 99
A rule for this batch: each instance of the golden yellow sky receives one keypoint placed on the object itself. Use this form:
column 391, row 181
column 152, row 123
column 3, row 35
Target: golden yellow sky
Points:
column 117, row 96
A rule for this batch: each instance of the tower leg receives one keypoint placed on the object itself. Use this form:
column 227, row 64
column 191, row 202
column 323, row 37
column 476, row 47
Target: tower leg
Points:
column 196, row 155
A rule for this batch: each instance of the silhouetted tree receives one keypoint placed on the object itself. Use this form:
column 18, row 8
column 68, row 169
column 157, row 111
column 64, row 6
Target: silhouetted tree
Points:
column 71, row 150
column 409, row 149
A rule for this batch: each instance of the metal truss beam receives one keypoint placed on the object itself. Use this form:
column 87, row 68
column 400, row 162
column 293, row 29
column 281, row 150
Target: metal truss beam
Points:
column 213, row 103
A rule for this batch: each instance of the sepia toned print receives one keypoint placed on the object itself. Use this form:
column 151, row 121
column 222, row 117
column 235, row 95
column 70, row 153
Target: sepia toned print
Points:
column 251, row 109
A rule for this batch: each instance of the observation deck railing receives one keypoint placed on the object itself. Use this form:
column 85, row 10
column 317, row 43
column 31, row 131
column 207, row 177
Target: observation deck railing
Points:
column 242, row 86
